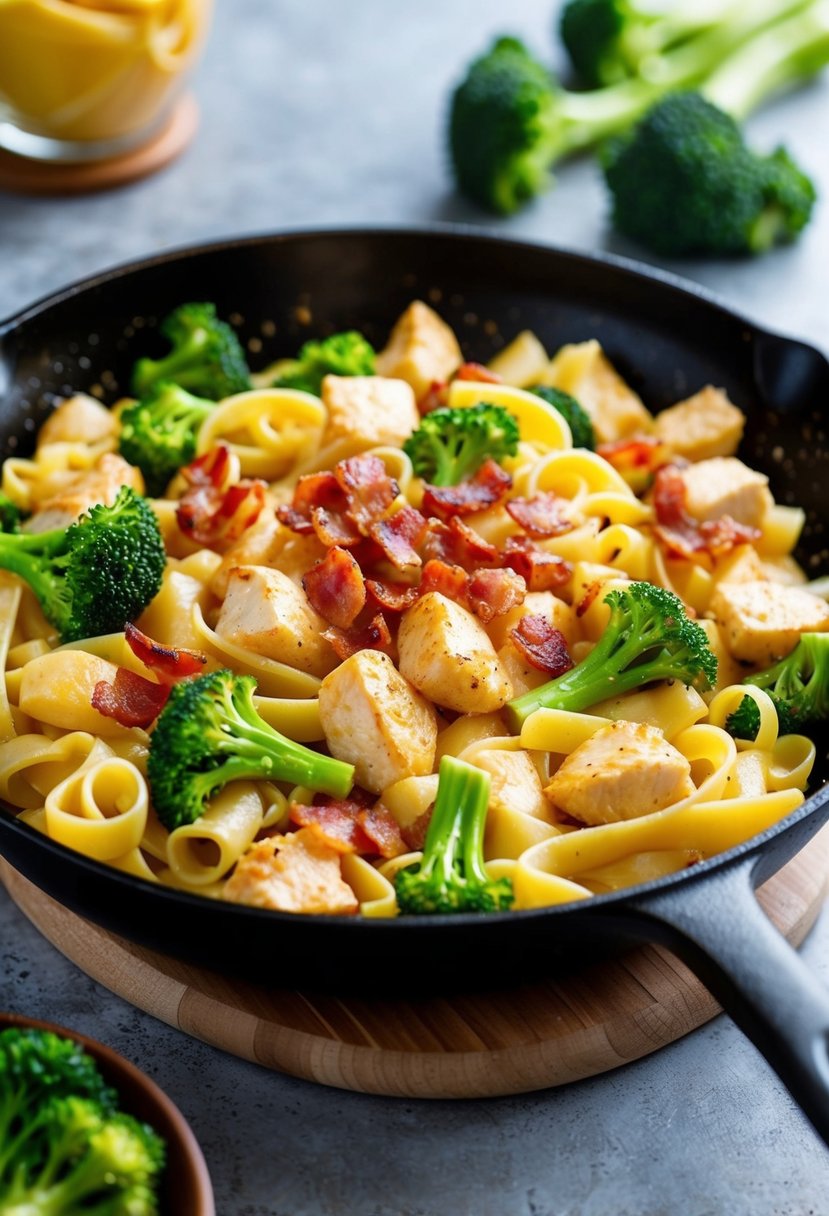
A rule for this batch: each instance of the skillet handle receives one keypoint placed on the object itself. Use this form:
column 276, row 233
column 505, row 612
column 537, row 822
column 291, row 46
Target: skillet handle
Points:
column 790, row 375
column 719, row 929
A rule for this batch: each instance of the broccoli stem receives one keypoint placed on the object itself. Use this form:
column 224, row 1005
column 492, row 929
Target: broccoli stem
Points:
column 774, row 59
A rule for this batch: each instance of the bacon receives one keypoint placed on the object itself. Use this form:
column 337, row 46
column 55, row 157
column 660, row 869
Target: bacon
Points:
column 346, row 642
column 543, row 646
column 491, row 593
column 487, row 488
column 312, row 490
column 349, row 827
column 130, row 699
column 212, row 513
column 414, row 834
column 434, row 398
column 392, row 597
column 680, row 534
column 444, row 578
column 590, row 593
column 169, row 663
column 541, row 571
column 540, row 516
column 636, row 458
column 334, row 528
column 477, row 371
column 400, row 535
column 368, row 489
column 335, row 588
column 459, row 545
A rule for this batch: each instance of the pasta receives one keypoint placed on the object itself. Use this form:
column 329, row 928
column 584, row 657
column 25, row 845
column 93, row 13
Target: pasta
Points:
column 395, row 631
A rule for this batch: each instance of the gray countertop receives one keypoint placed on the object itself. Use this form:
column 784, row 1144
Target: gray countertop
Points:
column 314, row 115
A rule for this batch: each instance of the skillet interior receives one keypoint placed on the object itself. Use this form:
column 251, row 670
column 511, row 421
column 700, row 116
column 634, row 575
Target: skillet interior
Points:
column 666, row 339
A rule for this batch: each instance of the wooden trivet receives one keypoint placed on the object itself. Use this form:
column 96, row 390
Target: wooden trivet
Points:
column 480, row 1045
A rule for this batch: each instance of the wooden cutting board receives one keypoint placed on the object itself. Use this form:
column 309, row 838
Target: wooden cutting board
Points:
column 471, row 1046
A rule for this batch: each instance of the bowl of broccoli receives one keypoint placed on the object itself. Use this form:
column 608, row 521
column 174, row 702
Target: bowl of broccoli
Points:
column 83, row 1130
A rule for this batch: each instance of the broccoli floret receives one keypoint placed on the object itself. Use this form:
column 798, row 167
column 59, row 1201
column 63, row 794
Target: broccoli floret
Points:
column 209, row 733
column 648, row 637
column 97, row 574
column 451, row 876
column 159, row 432
column 347, row 354
column 74, row 1157
column 452, row 444
column 610, row 40
column 10, row 514
column 207, row 358
column 744, row 722
column 574, row 414
column 684, row 182
column 510, row 122
column 798, row 685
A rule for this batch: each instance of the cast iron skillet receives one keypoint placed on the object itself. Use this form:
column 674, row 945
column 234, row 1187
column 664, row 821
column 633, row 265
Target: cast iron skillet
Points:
column 668, row 339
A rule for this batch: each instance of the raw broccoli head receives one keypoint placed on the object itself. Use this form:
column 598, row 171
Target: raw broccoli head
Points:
column 683, row 182
column 649, row 637
column 452, row 444
column 346, row 354
column 207, row 357
column 97, row 574
column 498, row 127
column 451, row 875
column 36, row 1066
column 573, row 413
column 159, row 432
column 209, row 734
column 799, row 684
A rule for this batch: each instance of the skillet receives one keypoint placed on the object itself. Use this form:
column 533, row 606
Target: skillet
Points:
column 667, row 338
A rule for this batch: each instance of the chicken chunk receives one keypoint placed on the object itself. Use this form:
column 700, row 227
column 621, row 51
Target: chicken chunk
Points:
column 421, row 350
column 79, row 419
column 98, row 484
column 293, row 873
column 535, row 603
column 375, row 720
column 726, row 486
column 762, row 621
column 446, row 653
column 702, row 427
column 514, row 782
column 266, row 612
column 741, row 565
column 622, row 771
column 369, row 410
column 584, row 371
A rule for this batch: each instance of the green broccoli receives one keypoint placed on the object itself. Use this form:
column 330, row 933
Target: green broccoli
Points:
column 10, row 514
column 97, row 574
column 574, row 414
column 451, row 876
column 450, row 445
column 346, row 354
column 159, row 432
column 684, row 182
column 209, row 733
column 610, row 40
column 65, row 1149
column 744, row 722
column 648, row 637
column 509, row 120
column 798, row 685
column 206, row 359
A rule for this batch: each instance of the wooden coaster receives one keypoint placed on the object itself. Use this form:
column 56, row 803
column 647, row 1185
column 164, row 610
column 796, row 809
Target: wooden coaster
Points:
column 472, row 1046
column 21, row 175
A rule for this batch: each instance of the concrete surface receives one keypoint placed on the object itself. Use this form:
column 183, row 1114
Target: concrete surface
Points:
column 322, row 114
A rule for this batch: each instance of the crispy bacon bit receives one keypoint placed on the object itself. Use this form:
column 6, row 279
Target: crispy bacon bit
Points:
column 542, row 515
column 491, row 593
column 542, row 645
column 212, row 513
column 683, row 536
column 368, row 489
column 541, row 571
column 313, row 490
column 590, row 593
column 434, row 398
column 346, row 642
column 414, row 834
column 477, row 371
column 487, row 488
column 446, row 579
column 459, row 545
column 349, row 827
column 335, row 588
column 391, row 597
column 170, row 663
column 334, row 528
column 130, row 699
column 400, row 535
column 636, row 459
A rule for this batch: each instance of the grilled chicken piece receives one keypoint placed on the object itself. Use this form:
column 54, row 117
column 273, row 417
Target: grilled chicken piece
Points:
column 293, row 873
